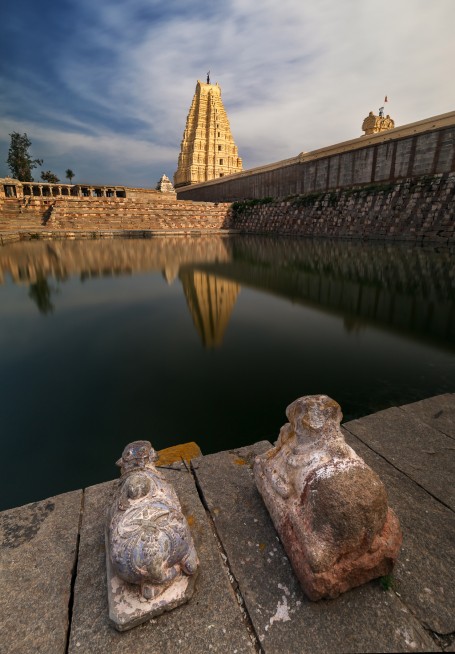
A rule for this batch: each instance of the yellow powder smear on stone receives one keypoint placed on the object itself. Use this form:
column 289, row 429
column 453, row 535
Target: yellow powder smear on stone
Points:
column 240, row 462
column 186, row 451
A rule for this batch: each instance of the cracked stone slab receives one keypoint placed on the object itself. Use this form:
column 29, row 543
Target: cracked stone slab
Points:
column 423, row 453
column 438, row 412
column 38, row 548
column 212, row 620
column 366, row 619
column 424, row 574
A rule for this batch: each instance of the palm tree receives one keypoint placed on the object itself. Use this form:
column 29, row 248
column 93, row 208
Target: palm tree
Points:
column 69, row 174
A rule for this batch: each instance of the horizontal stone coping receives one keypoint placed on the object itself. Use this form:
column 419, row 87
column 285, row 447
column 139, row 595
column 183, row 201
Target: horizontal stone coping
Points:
column 421, row 126
column 89, row 185
column 68, row 200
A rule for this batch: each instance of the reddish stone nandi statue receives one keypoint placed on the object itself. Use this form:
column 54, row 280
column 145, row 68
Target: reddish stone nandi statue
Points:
column 329, row 508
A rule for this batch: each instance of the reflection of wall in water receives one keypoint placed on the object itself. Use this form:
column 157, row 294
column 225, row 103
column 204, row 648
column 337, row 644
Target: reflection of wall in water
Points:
column 408, row 269
column 405, row 288
column 210, row 300
column 376, row 304
column 30, row 261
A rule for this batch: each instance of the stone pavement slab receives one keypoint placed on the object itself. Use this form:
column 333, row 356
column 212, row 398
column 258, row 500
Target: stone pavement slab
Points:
column 38, row 548
column 423, row 453
column 366, row 619
column 424, row 574
column 212, row 621
column 438, row 412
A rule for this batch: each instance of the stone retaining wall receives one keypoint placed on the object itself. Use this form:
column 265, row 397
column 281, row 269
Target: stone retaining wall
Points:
column 426, row 147
column 412, row 209
column 81, row 214
column 409, row 210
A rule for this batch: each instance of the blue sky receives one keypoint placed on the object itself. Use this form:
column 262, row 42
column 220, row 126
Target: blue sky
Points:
column 104, row 87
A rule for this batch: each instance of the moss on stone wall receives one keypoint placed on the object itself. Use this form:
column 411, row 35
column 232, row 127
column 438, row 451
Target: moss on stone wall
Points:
column 243, row 206
column 409, row 209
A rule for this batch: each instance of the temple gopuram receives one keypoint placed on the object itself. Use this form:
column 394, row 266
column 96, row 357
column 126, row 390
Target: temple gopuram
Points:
column 207, row 150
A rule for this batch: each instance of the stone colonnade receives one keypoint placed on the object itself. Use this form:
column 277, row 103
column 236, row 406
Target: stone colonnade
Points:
column 10, row 188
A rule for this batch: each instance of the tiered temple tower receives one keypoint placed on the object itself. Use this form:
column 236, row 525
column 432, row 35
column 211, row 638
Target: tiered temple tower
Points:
column 210, row 300
column 208, row 149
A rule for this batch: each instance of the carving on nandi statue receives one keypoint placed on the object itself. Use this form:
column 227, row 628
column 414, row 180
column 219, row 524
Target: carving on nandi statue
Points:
column 149, row 543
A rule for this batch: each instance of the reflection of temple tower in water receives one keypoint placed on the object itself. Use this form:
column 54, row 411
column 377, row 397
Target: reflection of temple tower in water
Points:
column 210, row 300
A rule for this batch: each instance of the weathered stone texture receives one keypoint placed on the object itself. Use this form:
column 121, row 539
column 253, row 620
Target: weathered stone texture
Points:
column 211, row 621
column 384, row 158
column 425, row 152
column 424, row 574
column 329, row 508
column 38, row 549
column 410, row 210
column 151, row 560
column 446, row 156
column 366, row 619
column 438, row 412
column 423, row 453
column 159, row 212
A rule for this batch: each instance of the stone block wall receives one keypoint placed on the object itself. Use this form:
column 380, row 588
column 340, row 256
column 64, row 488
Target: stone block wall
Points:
column 158, row 212
column 413, row 209
column 423, row 148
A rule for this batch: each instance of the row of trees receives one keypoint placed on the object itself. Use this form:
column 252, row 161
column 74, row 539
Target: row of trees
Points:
column 21, row 163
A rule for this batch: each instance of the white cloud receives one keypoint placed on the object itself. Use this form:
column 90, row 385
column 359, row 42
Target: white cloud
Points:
column 295, row 75
column 104, row 157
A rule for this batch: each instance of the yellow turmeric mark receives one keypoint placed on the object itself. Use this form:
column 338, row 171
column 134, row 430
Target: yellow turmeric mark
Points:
column 240, row 462
column 186, row 451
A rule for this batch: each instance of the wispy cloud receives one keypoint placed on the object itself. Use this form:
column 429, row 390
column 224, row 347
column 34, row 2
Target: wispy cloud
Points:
column 113, row 92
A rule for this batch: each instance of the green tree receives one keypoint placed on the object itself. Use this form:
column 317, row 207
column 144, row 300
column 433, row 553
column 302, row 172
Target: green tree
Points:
column 69, row 174
column 49, row 177
column 19, row 160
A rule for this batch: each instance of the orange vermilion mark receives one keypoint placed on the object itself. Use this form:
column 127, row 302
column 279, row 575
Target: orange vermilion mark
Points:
column 186, row 451
column 240, row 462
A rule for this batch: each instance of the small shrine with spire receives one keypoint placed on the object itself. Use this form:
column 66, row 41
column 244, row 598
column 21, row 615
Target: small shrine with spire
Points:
column 165, row 185
column 207, row 150
column 377, row 123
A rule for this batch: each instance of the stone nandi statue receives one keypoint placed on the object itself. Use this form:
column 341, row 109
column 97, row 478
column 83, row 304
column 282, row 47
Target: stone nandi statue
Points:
column 329, row 508
column 149, row 541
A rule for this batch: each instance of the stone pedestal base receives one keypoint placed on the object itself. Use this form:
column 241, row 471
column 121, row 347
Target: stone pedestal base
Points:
column 352, row 569
column 127, row 607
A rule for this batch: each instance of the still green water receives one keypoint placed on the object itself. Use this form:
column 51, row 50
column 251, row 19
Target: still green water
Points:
column 205, row 339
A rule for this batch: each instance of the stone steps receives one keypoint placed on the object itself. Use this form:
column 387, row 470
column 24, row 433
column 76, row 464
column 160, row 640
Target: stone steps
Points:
column 93, row 214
